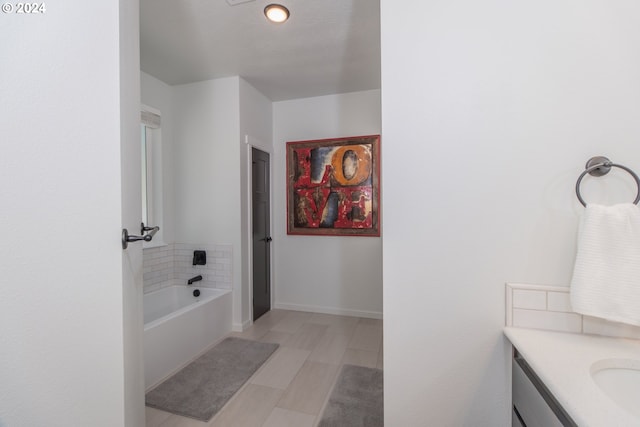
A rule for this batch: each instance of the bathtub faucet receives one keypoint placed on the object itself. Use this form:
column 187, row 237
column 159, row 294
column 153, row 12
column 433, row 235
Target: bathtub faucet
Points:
column 194, row 279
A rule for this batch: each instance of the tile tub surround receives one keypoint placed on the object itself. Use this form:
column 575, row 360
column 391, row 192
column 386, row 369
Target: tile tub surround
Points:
column 549, row 308
column 173, row 265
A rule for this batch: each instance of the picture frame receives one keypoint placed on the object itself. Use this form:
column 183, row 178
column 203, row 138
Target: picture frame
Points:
column 333, row 186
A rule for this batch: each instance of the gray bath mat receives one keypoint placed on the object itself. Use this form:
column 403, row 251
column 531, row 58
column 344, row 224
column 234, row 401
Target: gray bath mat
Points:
column 202, row 388
column 356, row 399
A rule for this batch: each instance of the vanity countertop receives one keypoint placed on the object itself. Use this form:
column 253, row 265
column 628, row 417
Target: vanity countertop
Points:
column 563, row 362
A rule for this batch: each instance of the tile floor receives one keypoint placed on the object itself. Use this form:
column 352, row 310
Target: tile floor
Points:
column 292, row 387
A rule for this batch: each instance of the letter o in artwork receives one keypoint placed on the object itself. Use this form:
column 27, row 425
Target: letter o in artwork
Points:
column 351, row 164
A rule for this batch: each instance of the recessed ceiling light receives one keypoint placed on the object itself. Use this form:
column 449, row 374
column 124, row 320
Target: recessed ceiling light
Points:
column 276, row 13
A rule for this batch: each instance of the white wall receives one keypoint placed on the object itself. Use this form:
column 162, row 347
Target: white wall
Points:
column 205, row 169
column 158, row 95
column 256, row 130
column 61, row 299
column 208, row 165
column 206, row 162
column 489, row 111
column 341, row 275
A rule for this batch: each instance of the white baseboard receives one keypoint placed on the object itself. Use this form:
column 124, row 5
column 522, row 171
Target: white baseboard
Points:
column 239, row 327
column 329, row 310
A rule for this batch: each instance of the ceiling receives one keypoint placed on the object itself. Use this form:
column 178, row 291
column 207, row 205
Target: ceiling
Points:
column 326, row 46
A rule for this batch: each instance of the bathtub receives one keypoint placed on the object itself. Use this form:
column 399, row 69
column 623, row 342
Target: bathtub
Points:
column 178, row 327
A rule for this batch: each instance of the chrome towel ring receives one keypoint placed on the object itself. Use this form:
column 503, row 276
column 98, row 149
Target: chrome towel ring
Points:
column 599, row 166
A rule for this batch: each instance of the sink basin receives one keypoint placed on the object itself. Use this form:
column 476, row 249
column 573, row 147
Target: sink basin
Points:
column 619, row 379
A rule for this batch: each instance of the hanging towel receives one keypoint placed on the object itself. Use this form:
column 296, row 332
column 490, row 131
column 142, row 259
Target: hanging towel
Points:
column 606, row 275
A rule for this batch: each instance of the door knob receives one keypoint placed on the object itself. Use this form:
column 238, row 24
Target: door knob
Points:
column 267, row 239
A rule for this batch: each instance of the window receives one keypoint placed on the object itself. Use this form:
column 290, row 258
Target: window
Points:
column 151, row 167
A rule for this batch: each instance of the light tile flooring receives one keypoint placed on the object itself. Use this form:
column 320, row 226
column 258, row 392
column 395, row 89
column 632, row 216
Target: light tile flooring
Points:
column 292, row 387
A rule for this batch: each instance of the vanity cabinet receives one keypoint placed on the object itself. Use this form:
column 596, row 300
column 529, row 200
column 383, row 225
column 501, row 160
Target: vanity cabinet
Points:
column 533, row 404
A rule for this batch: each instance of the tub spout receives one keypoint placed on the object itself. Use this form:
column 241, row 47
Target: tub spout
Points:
column 194, row 279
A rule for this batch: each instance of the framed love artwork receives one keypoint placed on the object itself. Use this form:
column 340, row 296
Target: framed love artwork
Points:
column 333, row 186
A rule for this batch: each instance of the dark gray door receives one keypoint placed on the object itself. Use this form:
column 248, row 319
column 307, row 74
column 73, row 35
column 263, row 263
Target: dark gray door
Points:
column 261, row 233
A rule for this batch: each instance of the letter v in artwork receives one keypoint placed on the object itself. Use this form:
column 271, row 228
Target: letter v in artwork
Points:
column 310, row 205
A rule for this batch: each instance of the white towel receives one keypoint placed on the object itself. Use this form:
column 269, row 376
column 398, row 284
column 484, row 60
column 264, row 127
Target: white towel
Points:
column 606, row 275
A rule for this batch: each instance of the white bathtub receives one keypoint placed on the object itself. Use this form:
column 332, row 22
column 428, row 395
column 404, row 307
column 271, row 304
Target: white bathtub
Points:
column 178, row 327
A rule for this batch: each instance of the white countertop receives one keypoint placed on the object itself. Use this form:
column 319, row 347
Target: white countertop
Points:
column 563, row 362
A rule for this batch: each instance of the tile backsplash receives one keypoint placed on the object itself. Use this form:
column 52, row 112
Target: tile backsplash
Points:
column 173, row 265
column 549, row 307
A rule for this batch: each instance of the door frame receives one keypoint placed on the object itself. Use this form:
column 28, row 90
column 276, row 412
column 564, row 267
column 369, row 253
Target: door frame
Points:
column 251, row 143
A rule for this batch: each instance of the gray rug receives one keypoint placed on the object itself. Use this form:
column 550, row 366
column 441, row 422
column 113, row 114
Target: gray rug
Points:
column 356, row 399
column 202, row 388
